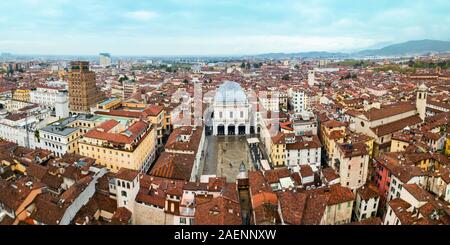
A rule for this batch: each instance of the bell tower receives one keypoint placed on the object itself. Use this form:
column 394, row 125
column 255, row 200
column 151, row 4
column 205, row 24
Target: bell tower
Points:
column 421, row 101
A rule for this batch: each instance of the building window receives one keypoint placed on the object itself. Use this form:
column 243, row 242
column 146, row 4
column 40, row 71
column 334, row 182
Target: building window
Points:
column 183, row 221
column 124, row 194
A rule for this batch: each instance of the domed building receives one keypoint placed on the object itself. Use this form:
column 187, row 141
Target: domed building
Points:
column 232, row 114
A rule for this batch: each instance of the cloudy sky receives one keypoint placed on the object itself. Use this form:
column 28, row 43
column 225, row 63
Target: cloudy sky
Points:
column 215, row 27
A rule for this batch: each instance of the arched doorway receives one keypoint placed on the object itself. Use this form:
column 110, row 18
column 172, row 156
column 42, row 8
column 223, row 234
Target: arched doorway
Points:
column 221, row 130
column 242, row 129
column 231, row 129
column 252, row 129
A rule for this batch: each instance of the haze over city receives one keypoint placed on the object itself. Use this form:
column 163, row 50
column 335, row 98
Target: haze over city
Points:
column 223, row 27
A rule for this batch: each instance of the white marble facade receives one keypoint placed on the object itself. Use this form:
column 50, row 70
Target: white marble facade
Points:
column 232, row 111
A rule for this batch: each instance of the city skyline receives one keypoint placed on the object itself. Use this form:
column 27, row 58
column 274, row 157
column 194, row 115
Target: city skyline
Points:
column 196, row 27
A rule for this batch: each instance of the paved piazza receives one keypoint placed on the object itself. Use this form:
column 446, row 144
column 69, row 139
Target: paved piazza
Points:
column 224, row 156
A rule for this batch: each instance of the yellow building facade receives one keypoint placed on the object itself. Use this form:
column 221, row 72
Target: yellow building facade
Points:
column 278, row 154
column 332, row 132
column 22, row 95
column 398, row 145
column 114, row 155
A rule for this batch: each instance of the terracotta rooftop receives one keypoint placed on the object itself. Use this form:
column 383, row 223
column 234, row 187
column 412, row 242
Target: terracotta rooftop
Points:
column 352, row 150
column 368, row 192
column 218, row 211
column 127, row 174
column 389, row 111
column 102, row 132
column 339, row 194
column 417, row 192
column 174, row 166
column 333, row 124
column 292, row 206
column 396, row 126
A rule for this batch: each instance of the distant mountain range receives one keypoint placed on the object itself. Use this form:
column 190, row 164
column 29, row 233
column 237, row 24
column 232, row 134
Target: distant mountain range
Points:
column 306, row 55
column 410, row 48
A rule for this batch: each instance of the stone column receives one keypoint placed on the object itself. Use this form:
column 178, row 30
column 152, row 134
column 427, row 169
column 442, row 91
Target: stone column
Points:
column 247, row 129
column 215, row 130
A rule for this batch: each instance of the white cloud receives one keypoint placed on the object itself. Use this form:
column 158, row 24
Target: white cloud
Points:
column 141, row 15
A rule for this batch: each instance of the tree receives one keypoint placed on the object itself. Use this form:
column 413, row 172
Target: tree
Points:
column 286, row 77
column 249, row 66
column 185, row 81
column 243, row 65
column 36, row 134
column 124, row 78
column 258, row 65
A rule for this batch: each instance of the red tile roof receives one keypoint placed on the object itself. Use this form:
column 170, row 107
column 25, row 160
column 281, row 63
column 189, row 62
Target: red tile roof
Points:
column 174, row 166
column 389, row 111
column 127, row 174
column 134, row 131
column 218, row 211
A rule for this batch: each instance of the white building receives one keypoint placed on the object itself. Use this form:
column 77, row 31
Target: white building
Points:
column 415, row 206
column 366, row 204
column 232, row 111
column 304, row 123
column 19, row 130
column 47, row 96
column 299, row 101
column 62, row 106
column 52, row 97
column 295, row 151
column 127, row 187
column 62, row 137
column 105, row 60
column 303, row 151
column 406, row 175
